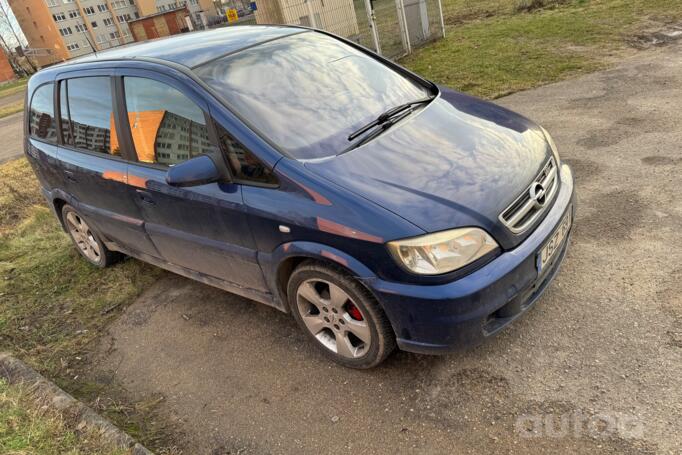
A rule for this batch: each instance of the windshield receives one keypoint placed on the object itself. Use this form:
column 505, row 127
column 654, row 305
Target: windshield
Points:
column 308, row 92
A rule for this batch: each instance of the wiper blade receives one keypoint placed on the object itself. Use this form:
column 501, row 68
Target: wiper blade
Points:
column 382, row 127
column 386, row 116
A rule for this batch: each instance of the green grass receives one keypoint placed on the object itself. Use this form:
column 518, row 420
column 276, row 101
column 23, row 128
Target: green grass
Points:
column 54, row 305
column 28, row 428
column 10, row 109
column 13, row 87
column 495, row 47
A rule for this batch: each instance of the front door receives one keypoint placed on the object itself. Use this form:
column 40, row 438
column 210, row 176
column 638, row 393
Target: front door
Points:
column 90, row 159
column 202, row 228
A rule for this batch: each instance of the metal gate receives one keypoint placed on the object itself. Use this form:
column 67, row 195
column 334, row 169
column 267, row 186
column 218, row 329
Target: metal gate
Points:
column 399, row 25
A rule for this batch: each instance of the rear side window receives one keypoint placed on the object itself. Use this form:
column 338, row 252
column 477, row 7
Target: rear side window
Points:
column 167, row 127
column 42, row 122
column 88, row 115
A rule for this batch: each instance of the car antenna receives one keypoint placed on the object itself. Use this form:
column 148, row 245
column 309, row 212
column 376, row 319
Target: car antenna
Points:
column 91, row 46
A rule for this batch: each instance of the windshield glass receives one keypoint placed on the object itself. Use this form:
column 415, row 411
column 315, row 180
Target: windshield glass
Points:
column 308, row 92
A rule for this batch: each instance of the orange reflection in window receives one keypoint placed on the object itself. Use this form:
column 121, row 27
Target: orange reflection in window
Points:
column 144, row 128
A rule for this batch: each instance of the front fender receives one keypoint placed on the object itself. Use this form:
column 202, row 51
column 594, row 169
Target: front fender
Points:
column 272, row 264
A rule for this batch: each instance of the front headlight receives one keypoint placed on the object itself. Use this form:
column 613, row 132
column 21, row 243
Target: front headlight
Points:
column 552, row 145
column 443, row 252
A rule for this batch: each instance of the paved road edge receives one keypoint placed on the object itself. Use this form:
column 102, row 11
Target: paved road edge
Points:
column 17, row 372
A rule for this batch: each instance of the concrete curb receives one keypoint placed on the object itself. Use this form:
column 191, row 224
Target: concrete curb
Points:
column 17, row 372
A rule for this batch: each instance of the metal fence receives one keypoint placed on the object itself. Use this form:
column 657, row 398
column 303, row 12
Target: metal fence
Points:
column 393, row 28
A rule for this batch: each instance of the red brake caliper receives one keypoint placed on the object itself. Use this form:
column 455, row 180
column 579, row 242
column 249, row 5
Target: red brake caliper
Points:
column 354, row 312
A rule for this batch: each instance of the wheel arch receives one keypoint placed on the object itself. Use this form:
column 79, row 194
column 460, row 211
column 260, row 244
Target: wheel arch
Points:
column 58, row 204
column 59, row 198
column 284, row 260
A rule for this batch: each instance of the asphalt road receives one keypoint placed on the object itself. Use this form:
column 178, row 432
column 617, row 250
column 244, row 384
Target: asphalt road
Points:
column 11, row 137
column 595, row 367
column 13, row 98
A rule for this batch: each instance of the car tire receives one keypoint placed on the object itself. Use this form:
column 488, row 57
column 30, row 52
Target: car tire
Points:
column 339, row 315
column 86, row 240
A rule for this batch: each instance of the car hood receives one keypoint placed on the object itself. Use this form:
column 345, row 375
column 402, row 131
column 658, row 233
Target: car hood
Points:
column 460, row 161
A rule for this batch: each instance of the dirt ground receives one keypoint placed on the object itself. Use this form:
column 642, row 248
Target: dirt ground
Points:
column 595, row 367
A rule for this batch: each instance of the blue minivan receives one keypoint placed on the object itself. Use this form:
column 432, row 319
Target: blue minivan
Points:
column 298, row 169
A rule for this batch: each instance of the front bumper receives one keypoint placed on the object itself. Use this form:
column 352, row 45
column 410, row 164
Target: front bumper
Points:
column 444, row 318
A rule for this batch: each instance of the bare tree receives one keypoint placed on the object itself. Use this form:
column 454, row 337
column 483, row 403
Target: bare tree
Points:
column 7, row 24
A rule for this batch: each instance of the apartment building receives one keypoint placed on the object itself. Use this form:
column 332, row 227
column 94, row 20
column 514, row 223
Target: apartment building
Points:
column 58, row 30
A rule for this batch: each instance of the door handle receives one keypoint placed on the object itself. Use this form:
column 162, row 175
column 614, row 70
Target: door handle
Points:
column 145, row 197
column 69, row 176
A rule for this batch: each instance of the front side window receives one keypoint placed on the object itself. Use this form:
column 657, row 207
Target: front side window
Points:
column 307, row 92
column 42, row 123
column 166, row 126
column 88, row 115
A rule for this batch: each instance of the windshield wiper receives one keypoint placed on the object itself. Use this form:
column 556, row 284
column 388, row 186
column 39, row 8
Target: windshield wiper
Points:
column 381, row 128
column 387, row 116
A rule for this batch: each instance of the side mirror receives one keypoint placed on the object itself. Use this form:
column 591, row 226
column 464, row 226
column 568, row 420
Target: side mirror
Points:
column 197, row 171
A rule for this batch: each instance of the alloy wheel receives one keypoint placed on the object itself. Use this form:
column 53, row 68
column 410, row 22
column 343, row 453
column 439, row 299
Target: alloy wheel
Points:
column 333, row 318
column 83, row 237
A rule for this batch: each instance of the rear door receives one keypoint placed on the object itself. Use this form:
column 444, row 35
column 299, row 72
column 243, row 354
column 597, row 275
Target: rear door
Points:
column 202, row 228
column 91, row 159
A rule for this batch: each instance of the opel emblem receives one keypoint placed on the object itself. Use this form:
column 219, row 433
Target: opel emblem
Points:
column 537, row 194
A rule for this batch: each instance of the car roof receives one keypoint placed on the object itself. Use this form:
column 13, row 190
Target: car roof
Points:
column 195, row 48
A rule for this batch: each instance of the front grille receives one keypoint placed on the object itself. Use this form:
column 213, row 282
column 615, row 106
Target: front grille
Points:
column 534, row 200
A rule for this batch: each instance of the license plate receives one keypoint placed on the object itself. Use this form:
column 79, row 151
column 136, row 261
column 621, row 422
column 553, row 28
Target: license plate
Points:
column 552, row 246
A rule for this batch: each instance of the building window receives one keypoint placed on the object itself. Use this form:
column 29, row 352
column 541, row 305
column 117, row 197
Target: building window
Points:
column 123, row 17
column 66, row 31
column 108, row 22
column 59, row 17
column 118, row 4
column 102, row 8
column 73, row 46
column 81, row 28
column 89, row 10
column 115, row 35
column 74, row 13
column 68, row 1
column 51, row 3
